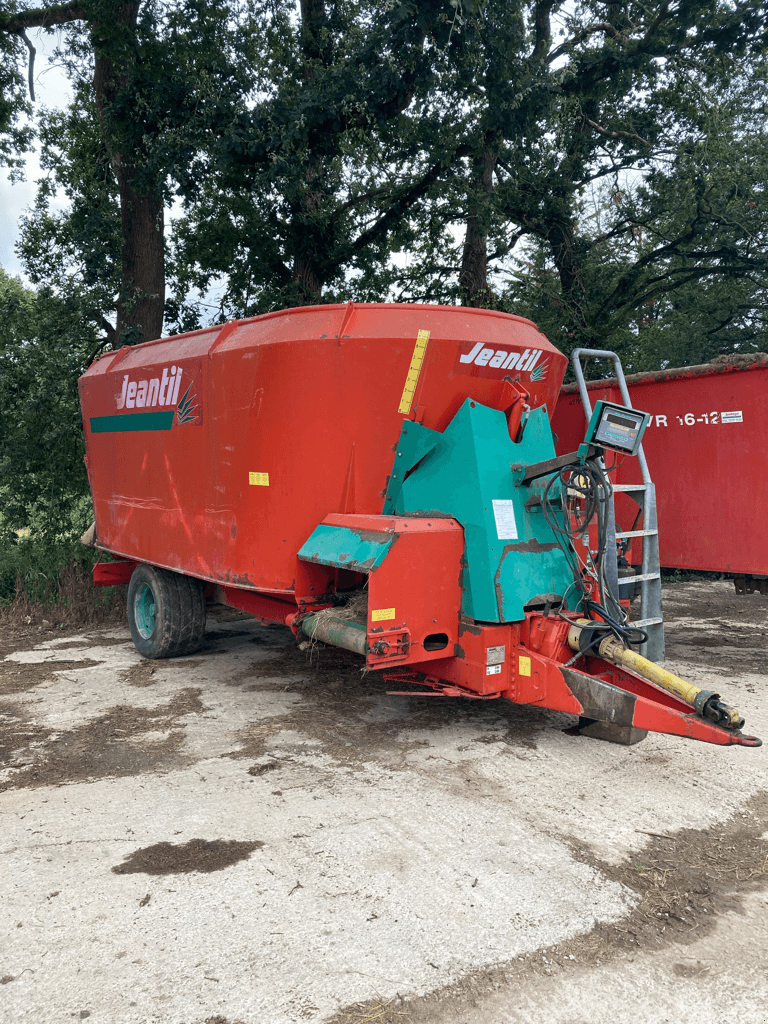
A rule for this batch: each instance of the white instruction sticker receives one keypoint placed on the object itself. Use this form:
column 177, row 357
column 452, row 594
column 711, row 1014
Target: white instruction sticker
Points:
column 504, row 514
column 731, row 417
column 493, row 670
column 495, row 655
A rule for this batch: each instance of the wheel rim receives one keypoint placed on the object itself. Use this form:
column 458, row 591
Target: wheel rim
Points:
column 144, row 611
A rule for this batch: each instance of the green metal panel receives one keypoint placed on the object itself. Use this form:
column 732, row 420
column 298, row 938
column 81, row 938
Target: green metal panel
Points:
column 132, row 421
column 359, row 550
column 512, row 554
column 415, row 443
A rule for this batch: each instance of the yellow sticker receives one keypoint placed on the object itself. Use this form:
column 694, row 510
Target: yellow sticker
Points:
column 523, row 665
column 413, row 373
column 382, row 614
column 259, row 479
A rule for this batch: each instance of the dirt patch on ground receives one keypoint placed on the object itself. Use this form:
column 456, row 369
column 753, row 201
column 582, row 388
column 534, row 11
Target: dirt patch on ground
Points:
column 14, row 637
column 712, row 600
column 714, row 627
column 145, row 673
column 18, row 677
column 686, row 879
column 97, row 749
column 213, row 638
column 683, row 882
column 338, row 697
column 203, row 855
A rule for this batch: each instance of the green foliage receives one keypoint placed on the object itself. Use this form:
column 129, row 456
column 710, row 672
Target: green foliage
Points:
column 309, row 185
column 15, row 132
column 35, row 565
column 75, row 253
column 44, row 347
column 669, row 263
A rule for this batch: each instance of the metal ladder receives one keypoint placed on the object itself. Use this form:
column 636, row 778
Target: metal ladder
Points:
column 644, row 494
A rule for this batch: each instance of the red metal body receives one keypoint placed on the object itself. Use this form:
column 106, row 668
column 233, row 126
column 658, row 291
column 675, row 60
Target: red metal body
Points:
column 707, row 452
column 290, row 416
column 408, row 621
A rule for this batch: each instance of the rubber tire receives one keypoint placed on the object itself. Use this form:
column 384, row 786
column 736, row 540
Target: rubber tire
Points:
column 179, row 616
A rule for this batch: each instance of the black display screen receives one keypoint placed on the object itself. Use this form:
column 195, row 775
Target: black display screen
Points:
column 622, row 421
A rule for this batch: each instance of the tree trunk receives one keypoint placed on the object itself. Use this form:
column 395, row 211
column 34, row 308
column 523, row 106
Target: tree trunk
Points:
column 142, row 292
column 306, row 287
column 141, row 301
column 307, row 281
column 560, row 235
column 473, row 278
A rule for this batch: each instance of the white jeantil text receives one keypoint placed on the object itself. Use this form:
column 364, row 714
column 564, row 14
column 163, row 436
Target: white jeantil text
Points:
column 145, row 394
column 501, row 358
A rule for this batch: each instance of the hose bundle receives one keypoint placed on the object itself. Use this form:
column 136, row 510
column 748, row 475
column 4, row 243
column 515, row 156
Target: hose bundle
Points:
column 584, row 494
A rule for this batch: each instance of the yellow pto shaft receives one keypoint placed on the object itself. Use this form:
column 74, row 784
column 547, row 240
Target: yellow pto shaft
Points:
column 705, row 702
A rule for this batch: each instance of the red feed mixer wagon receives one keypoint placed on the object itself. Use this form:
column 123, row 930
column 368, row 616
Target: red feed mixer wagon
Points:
column 382, row 478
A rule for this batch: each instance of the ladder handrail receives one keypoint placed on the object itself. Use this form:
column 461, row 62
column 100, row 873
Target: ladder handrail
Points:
column 599, row 353
column 650, row 572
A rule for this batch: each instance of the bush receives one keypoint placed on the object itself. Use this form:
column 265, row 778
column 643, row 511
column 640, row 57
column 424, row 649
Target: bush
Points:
column 49, row 579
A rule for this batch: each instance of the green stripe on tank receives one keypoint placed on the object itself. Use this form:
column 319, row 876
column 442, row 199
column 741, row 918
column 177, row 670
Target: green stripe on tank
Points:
column 132, row 421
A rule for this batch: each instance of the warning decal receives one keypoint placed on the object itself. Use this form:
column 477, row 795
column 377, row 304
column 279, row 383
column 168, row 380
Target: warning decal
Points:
column 382, row 614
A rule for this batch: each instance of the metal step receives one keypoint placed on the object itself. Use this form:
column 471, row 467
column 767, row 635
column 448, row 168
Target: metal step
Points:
column 629, row 487
column 636, row 533
column 640, row 578
column 641, row 623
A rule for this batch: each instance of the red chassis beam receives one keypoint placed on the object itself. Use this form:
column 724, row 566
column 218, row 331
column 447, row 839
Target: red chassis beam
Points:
column 113, row 574
column 537, row 671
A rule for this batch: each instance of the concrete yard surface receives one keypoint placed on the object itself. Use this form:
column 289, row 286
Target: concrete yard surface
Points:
column 257, row 834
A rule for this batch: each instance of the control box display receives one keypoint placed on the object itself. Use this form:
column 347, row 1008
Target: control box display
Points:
column 617, row 427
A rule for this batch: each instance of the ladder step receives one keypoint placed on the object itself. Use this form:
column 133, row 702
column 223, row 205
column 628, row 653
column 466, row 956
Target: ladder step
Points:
column 636, row 533
column 639, row 579
column 629, row 487
column 642, row 623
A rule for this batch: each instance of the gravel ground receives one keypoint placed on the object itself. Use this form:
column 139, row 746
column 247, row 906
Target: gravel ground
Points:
column 241, row 837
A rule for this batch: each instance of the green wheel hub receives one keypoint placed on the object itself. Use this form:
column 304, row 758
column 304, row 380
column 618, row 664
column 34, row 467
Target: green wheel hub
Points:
column 144, row 611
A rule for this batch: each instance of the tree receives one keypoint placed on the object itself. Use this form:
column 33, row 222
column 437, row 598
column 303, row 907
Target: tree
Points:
column 309, row 187
column 595, row 102
column 45, row 344
column 155, row 80
column 674, row 264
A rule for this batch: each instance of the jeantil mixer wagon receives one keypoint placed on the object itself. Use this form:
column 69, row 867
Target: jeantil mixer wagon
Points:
column 382, row 478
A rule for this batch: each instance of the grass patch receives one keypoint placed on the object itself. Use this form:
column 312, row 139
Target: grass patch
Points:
column 48, row 581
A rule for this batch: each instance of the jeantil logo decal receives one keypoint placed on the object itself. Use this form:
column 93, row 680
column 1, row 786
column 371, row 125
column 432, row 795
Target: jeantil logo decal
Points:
column 152, row 403
column 480, row 360
column 149, row 394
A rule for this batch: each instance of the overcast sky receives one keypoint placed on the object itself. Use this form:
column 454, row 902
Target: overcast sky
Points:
column 51, row 90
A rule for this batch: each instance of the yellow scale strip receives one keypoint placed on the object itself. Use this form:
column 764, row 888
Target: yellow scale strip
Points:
column 413, row 373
